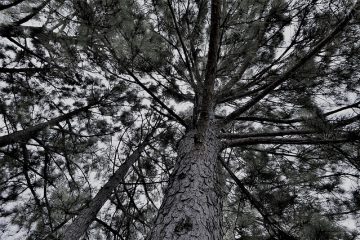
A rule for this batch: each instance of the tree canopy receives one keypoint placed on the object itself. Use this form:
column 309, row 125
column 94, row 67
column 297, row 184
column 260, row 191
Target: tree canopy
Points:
column 103, row 102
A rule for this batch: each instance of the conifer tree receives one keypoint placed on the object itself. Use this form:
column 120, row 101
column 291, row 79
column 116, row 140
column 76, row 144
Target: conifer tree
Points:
column 162, row 119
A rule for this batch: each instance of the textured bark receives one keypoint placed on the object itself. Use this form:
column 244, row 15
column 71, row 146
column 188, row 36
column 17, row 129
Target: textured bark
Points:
column 76, row 229
column 193, row 200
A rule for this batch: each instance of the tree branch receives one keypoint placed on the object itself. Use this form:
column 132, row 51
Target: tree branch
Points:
column 172, row 113
column 296, row 120
column 25, row 134
column 293, row 69
column 109, row 228
column 33, row 14
column 345, row 122
column 20, row 31
column 266, row 119
column 9, row 5
column 187, row 61
column 257, row 204
column 267, row 134
column 233, row 94
column 252, row 49
column 137, row 80
column 23, row 70
column 294, row 141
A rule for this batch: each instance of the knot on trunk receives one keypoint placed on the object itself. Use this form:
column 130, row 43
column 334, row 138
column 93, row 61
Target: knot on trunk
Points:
column 183, row 226
column 181, row 176
column 199, row 138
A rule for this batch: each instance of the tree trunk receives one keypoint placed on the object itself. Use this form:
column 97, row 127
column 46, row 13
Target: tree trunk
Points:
column 77, row 228
column 192, row 206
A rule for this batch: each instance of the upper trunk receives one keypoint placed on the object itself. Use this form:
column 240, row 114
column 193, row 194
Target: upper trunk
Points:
column 192, row 203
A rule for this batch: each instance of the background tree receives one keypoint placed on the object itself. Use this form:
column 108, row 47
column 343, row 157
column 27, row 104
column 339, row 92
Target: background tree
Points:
column 252, row 106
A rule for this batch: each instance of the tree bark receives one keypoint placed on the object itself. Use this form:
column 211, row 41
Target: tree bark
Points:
column 192, row 206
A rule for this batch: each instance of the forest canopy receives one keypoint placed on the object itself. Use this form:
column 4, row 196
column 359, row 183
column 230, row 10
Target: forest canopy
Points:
column 180, row 119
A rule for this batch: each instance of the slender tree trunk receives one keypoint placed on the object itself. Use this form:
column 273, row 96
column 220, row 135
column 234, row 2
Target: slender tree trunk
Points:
column 192, row 206
column 77, row 228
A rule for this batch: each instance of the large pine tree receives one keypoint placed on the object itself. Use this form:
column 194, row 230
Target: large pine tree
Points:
column 162, row 119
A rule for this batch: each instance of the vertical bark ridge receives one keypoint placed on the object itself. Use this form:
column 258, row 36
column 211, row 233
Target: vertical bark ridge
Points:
column 192, row 202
